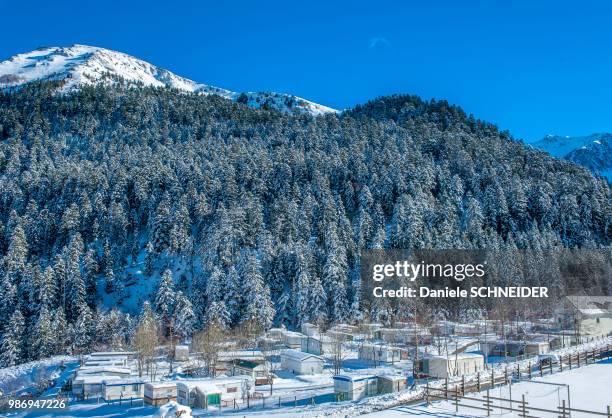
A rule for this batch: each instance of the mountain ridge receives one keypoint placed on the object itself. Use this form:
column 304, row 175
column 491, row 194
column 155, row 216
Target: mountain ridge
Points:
column 592, row 151
column 80, row 65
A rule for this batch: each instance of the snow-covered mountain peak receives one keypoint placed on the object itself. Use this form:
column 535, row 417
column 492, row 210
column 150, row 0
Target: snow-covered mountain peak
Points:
column 80, row 65
column 591, row 151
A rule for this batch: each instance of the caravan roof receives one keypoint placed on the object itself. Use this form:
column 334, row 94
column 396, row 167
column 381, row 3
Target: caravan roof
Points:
column 299, row 355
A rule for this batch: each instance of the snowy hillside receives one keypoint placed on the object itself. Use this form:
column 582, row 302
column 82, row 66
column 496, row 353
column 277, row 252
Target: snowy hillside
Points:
column 592, row 151
column 80, row 64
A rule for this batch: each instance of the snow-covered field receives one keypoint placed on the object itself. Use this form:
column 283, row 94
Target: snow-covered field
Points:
column 590, row 389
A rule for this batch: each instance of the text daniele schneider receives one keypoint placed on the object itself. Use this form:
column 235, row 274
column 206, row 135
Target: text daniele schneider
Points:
column 408, row 271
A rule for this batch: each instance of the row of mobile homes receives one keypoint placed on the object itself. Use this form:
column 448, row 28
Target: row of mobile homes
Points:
column 159, row 393
column 123, row 389
column 448, row 366
column 299, row 362
column 208, row 392
column 379, row 353
column 347, row 387
column 318, row 345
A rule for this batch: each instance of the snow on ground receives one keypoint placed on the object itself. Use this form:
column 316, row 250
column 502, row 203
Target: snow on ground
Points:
column 25, row 377
column 590, row 389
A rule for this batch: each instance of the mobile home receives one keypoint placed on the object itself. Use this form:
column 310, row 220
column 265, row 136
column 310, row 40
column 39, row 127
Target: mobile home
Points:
column 292, row 339
column 255, row 370
column 301, row 363
column 181, row 353
column 123, row 389
column 319, row 345
column 391, row 383
column 202, row 393
column 310, row 330
column 454, row 365
column 355, row 387
column 159, row 393
column 379, row 353
column 90, row 386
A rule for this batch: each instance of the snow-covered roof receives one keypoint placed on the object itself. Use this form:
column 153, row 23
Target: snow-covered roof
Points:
column 299, row 355
column 392, row 377
column 452, row 357
column 240, row 354
column 213, row 382
column 94, row 379
column 103, row 370
column 159, row 385
column 354, row 378
column 112, row 354
column 123, row 381
column 592, row 305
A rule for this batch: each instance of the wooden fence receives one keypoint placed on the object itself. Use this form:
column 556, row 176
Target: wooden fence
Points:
column 456, row 391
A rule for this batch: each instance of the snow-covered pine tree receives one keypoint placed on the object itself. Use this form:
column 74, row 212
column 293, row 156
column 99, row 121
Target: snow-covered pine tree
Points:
column 83, row 331
column 90, row 272
column 301, row 290
column 185, row 319
column 60, row 329
column 165, row 301
column 258, row 307
column 43, row 336
column 109, row 268
column 149, row 259
column 216, row 310
column 11, row 343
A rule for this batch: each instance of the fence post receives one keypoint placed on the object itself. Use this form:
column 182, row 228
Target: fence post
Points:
column 609, row 412
column 427, row 391
column 263, row 402
column 529, row 371
column 446, row 388
column 279, row 402
column 561, row 363
column 457, row 400
column 488, row 404
column 524, row 407
column 492, row 378
column 478, row 381
column 563, row 408
column 462, row 385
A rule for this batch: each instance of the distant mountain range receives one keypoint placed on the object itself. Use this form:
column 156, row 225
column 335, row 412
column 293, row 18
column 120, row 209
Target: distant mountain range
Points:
column 81, row 65
column 592, row 151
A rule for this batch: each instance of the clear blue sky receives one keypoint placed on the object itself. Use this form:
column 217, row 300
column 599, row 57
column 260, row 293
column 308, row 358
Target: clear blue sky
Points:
column 533, row 67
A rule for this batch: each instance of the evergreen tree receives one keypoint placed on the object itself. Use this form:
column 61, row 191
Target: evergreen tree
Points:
column 258, row 305
column 11, row 343
column 43, row 337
